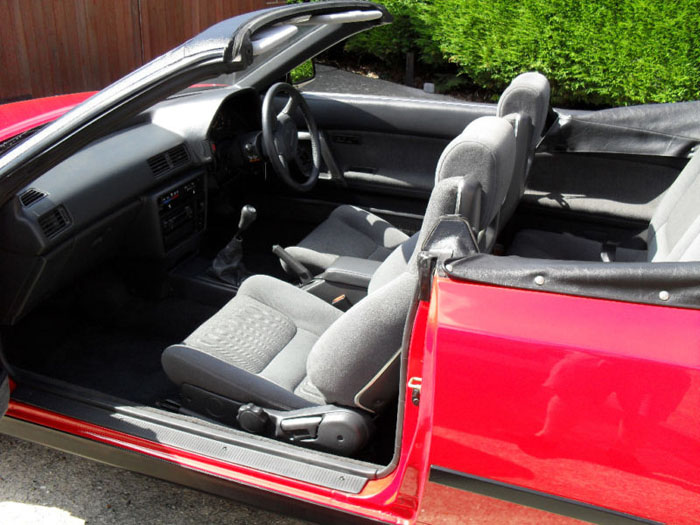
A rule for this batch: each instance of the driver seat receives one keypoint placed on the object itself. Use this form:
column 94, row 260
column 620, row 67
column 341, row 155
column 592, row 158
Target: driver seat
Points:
column 352, row 231
column 279, row 361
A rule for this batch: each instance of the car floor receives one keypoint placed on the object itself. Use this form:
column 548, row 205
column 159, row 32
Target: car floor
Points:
column 101, row 335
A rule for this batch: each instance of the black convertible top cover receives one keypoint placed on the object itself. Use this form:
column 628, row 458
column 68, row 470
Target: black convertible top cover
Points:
column 667, row 284
column 668, row 130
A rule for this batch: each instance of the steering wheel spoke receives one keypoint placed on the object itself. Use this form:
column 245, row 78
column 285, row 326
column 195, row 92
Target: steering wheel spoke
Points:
column 288, row 109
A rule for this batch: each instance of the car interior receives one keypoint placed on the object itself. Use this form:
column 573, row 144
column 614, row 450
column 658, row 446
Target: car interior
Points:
column 244, row 260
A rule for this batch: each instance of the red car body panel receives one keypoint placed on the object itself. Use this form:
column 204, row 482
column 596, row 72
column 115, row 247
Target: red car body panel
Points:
column 18, row 117
column 586, row 399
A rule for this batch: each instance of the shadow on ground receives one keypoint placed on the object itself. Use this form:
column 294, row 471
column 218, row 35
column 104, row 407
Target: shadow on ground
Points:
column 40, row 485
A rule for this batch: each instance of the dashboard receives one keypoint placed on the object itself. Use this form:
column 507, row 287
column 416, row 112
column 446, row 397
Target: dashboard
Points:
column 140, row 192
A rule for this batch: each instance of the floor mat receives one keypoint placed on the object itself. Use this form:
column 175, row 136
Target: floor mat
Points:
column 114, row 346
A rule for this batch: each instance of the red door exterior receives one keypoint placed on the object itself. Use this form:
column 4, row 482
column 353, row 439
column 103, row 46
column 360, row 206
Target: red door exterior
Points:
column 590, row 400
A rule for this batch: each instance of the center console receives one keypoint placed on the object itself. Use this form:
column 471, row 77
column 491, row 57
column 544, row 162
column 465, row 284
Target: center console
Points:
column 182, row 212
column 172, row 220
column 347, row 276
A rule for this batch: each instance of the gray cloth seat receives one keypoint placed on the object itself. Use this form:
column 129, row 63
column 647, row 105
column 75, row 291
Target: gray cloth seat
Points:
column 526, row 100
column 351, row 231
column 278, row 346
column 673, row 235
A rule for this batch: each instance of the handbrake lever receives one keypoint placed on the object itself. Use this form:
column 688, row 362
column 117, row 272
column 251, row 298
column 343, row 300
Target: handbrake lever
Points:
column 301, row 271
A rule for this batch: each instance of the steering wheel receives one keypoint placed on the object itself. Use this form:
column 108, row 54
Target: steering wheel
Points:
column 280, row 136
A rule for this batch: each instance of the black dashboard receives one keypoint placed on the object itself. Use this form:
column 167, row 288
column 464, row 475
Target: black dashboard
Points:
column 140, row 192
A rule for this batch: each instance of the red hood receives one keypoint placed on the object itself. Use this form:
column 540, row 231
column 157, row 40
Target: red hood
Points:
column 22, row 116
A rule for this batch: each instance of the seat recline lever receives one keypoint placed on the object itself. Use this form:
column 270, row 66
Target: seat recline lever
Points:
column 327, row 427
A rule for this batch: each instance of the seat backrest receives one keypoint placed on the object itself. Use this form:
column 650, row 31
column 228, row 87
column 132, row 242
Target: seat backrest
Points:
column 356, row 360
column 674, row 231
column 525, row 102
column 479, row 163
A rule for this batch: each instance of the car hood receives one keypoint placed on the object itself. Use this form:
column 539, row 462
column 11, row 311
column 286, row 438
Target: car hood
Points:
column 18, row 117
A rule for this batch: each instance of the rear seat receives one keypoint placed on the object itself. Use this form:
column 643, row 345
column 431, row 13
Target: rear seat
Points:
column 673, row 236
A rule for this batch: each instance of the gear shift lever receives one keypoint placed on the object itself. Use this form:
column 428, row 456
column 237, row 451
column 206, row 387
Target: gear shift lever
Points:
column 248, row 216
column 228, row 264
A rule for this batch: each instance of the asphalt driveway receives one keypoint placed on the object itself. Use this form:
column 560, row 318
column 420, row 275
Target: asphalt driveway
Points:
column 39, row 485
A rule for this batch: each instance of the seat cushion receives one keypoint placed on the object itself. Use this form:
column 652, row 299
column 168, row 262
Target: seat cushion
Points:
column 255, row 348
column 349, row 231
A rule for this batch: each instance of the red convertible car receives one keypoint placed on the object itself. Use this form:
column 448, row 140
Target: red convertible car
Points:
column 352, row 307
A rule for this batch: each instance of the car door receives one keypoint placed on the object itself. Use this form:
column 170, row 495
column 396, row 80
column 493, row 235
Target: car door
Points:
column 579, row 406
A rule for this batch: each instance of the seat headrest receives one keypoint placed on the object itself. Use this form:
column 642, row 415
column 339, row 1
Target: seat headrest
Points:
column 483, row 156
column 528, row 94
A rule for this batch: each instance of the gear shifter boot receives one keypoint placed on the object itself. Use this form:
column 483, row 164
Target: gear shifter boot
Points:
column 228, row 264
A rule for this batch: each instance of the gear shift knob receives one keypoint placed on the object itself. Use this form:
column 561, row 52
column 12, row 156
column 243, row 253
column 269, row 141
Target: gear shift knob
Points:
column 248, row 216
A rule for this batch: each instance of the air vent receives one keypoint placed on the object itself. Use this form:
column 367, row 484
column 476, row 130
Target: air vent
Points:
column 166, row 162
column 178, row 156
column 54, row 222
column 30, row 196
column 159, row 164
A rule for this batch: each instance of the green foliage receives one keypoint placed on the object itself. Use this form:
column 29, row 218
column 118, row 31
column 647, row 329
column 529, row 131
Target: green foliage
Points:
column 594, row 52
column 407, row 33
column 302, row 73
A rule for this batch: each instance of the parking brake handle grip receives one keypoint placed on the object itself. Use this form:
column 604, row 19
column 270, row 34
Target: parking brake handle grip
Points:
column 301, row 271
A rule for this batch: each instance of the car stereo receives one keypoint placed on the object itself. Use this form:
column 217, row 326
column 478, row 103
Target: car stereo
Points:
column 182, row 212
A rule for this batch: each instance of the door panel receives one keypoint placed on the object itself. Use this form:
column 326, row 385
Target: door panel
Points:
column 611, row 165
column 388, row 144
column 384, row 159
column 386, row 150
column 619, row 186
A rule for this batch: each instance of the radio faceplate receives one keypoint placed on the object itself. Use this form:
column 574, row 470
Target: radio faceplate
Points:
column 182, row 212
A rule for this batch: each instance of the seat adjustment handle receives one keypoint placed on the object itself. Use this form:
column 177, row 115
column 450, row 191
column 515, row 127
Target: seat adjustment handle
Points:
column 327, row 427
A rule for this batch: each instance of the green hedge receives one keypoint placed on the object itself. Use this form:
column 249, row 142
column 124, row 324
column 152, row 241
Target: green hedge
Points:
column 594, row 52
column 408, row 32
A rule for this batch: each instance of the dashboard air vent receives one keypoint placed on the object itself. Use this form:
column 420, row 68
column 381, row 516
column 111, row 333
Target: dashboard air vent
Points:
column 54, row 222
column 165, row 162
column 30, row 196
column 178, row 156
column 159, row 164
